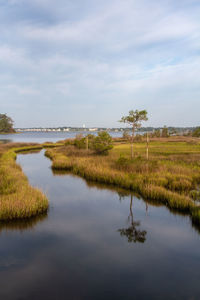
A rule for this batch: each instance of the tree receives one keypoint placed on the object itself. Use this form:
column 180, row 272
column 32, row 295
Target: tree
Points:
column 165, row 132
column 134, row 119
column 102, row 143
column 90, row 138
column 156, row 133
column 173, row 131
column 79, row 141
column 126, row 135
column 196, row 132
column 6, row 124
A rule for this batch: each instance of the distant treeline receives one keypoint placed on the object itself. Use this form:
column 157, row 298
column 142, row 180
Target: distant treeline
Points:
column 142, row 129
column 170, row 128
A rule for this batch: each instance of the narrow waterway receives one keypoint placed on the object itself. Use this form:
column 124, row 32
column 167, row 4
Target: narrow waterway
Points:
column 96, row 243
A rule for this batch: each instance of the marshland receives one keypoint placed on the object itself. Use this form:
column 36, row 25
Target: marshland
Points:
column 102, row 222
column 18, row 200
column 170, row 175
column 99, row 150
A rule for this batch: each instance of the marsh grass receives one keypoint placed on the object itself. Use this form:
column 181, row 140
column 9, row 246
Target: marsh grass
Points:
column 18, row 200
column 168, row 177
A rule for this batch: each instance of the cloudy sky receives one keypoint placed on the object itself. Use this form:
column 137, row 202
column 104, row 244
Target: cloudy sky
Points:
column 74, row 62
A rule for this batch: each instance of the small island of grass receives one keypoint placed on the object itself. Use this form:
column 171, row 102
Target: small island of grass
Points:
column 18, row 200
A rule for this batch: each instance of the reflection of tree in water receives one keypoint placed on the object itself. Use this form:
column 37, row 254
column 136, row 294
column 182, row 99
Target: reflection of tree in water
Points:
column 133, row 233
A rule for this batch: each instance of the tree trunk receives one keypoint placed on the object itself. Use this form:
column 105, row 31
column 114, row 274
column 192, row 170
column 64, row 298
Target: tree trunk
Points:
column 87, row 143
column 132, row 143
column 131, row 212
column 147, row 146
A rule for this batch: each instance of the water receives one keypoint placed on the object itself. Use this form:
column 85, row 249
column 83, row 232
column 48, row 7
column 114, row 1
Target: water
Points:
column 41, row 137
column 81, row 249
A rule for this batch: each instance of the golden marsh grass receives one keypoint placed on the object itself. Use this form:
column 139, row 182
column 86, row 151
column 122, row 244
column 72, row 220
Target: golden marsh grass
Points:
column 170, row 176
column 17, row 198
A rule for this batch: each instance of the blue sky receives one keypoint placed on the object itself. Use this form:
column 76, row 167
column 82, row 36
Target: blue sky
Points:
column 74, row 62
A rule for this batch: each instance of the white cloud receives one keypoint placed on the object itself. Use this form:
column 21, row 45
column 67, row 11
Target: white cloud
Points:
column 11, row 55
column 100, row 55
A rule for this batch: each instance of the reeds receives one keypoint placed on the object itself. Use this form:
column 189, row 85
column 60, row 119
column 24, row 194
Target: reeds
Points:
column 18, row 199
column 164, row 178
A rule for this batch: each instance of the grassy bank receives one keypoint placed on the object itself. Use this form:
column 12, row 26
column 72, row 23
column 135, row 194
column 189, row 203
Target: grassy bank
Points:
column 3, row 133
column 17, row 198
column 171, row 176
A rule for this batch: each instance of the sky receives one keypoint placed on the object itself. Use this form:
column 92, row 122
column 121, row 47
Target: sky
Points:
column 75, row 62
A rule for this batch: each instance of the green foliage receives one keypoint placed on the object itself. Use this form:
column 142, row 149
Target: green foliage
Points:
column 80, row 143
column 102, row 143
column 196, row 132
column 135, row 118
column 156, row 133
column 6, row 124
column 138, row 138
column 123, row 162
column 91, row 139
column 126, row 135
column 165, row 132
column 69, row 142
column 195, row 195
column 173, row 131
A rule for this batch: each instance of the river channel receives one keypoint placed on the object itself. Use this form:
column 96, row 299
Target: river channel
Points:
column 96, row 243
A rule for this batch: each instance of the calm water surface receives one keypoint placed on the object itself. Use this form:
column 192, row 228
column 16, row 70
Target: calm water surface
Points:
column 96, row 243
column 41, row 137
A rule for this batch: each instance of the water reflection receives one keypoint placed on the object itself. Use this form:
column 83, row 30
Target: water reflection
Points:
column 27, row 152
column 96, row 185
column 79, row 245
column 42, row 137
column 23, row 224
column 133, row 233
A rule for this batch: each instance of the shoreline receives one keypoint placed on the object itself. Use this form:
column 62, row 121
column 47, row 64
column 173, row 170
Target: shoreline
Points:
column 172, row 190
column 147, row 184
column 18, row 199
column 6, row 133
